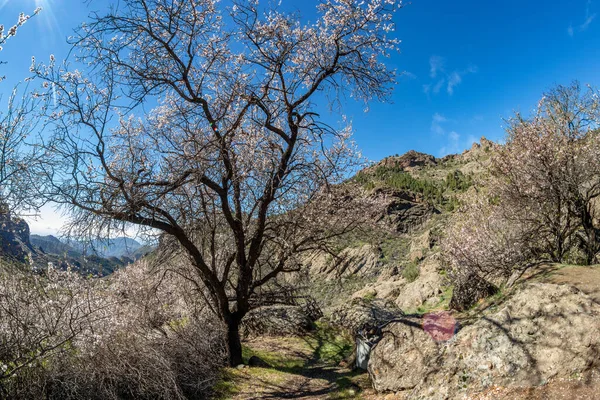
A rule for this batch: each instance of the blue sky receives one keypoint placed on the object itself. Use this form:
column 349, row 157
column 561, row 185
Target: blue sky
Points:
column 468, row 64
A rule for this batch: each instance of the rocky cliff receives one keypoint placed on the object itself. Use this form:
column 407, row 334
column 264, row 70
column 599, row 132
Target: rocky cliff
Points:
column 14, row 239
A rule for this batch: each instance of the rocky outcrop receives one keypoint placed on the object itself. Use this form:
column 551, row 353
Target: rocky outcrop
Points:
column 407, row 296
column 14, row 239
column 404, row 212
column 408, row 161
column 420, row 245
column 276, row 320
column 385, row 289
column 544, row 331
column 427, row 287
column 352, row 261
column 361, row 312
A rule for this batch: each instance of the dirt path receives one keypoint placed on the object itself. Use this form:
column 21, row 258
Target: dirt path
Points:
column 306, row 368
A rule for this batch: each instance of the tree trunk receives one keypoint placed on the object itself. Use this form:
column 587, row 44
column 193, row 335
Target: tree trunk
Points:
column 234, row 343
column 591, row 244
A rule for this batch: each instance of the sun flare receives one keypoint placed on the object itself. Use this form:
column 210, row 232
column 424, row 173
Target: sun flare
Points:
column 47, row 18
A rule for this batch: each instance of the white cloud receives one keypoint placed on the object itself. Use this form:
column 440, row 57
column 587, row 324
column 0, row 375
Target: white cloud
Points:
column 453, row 144
column 49, row 222
column 427, row 89
column 589, row 18
column 456, row 77
column 436, row 65
column 408, row 75
column 436, row 124
column 588, row 21
column 439, row 118
column 435, row 89
column 438, row 86
column 449, row 80
column 454, row 80
column 452, row 141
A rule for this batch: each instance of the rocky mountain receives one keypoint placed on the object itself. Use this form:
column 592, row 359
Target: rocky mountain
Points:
column 52, row 245
column 19, row 246
column 116, row 247
column 14, row 238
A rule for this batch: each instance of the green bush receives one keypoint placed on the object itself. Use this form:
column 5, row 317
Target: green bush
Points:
column 411, row 272
column 457, row 181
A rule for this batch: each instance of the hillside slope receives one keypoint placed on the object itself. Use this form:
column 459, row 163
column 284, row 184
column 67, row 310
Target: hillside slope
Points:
column 543, row 330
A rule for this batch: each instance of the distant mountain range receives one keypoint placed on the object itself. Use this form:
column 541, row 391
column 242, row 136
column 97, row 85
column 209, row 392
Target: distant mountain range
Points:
column 117, row 247
column 100, row 257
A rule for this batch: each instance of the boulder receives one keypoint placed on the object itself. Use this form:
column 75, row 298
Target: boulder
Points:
column 276, row 320
column 428, row 285
column 360, row 312
column 542, row 332
column 404, row 356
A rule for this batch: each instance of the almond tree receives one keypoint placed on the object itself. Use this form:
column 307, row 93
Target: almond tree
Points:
column 540, row 200
column 548, row 174
column 12, row 31
column 235, row 165
column 575, row 116
column 16, row 124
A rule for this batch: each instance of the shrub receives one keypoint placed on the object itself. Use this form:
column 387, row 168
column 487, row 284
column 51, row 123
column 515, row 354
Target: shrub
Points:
column 411, row 272
column 136, row 335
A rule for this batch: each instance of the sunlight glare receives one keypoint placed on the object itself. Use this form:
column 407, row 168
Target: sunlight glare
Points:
column 47, row 18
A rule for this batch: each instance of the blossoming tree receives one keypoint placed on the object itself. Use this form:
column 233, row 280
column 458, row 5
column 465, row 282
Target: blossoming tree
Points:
column 12, row 31
column 234, row 165
column 540, row 200
column 16, row 124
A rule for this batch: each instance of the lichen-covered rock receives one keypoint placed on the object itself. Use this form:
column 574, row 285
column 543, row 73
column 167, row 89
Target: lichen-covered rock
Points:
column 403, row 357
column 360, row 312
column 276, row 320
column 426, row 286
column 542, row 332
column 419, row 246
column 352, row 261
